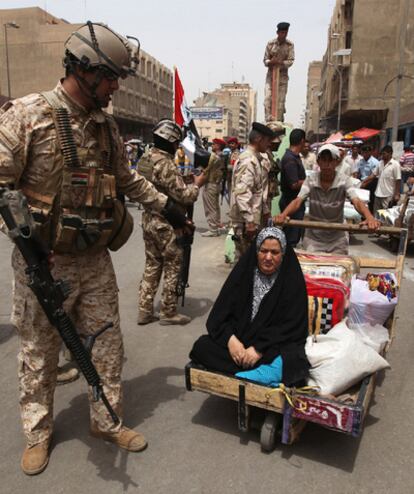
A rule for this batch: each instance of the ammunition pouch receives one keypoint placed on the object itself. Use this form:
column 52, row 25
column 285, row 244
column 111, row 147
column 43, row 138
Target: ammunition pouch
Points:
column 123, row 224
column 75, row 234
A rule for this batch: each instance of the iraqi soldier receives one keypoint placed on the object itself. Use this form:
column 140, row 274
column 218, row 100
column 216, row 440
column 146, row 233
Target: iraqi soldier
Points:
column 279, row 56
column 67, row 157
column 234, row 146
column 249, row 209
column 272, row 164
column 211, row 192
column 162, row 250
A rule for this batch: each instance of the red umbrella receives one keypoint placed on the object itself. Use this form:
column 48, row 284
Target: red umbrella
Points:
column 365, row 133
column 337, row 137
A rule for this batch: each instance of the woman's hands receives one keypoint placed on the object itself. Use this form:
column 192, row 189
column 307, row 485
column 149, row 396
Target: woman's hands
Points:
column 236, row 349
column 251, row 357
column 243, row 357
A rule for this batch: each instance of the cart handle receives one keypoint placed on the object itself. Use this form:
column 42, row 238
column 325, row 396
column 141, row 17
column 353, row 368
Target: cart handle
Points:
column 346, row 227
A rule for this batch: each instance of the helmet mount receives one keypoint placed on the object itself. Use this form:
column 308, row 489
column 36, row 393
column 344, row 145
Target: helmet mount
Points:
column 94, row 47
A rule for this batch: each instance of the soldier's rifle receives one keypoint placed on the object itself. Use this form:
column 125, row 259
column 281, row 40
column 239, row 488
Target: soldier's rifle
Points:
column 224, row 193
column 49, row 292
column 185, row 241
column 200, row 161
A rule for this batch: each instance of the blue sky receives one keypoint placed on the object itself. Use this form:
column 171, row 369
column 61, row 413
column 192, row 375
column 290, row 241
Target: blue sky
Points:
column 211, row 41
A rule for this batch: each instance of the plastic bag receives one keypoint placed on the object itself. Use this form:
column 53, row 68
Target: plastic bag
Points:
column 368, row 306
column 340, row 359
column 374, row 336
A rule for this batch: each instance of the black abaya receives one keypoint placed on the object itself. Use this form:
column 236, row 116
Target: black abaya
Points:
column 279, row 328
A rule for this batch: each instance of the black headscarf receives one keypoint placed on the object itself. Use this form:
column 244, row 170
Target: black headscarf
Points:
column 281, row 323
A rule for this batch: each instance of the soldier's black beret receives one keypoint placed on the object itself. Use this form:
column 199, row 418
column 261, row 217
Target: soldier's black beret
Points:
column 263, row 129
column 283, row 26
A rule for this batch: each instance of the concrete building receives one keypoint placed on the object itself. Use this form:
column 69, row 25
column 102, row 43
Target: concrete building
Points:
column 238, row 98
column 313, row 95
column 362, row 56
column 35, row 50
column 213, row 122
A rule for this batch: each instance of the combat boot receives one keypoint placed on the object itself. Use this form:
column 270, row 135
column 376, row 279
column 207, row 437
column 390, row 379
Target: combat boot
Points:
column 66, row 374
column 146, row 318
column 35, row 458
column 211, row 233
column 125, row 438
column 176, row 319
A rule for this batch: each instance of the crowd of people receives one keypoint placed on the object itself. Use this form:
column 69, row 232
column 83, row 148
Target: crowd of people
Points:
column 74, row 175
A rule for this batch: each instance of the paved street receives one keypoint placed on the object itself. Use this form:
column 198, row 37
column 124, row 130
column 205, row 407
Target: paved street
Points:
column 194, row 444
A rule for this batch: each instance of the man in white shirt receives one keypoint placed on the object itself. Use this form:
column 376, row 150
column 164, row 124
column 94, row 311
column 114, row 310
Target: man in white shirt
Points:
column 352, row 160
column 308, row 157
column 389, row 180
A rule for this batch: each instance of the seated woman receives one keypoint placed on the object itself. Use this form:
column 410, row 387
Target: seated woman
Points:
column 260, row 318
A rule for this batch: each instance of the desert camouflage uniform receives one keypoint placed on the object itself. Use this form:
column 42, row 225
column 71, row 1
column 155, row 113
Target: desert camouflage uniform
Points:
column 234, row 156
column 30, row 160
column 272, row 185
column 162, row 253
column 285, row 53
column 211, row 191
column 249, row 200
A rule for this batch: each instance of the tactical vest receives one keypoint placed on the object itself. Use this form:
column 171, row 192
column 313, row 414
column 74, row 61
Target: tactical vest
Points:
column 76, row 206
column 146, row 169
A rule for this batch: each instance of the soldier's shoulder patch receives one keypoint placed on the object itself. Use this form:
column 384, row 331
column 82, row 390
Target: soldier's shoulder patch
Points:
column 9, row 139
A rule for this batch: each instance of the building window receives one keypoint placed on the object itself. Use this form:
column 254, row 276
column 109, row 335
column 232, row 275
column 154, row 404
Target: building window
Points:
column 349, row 7
column 348, row 39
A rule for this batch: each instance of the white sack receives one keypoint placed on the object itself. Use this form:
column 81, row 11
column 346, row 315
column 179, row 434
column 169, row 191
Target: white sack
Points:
column 340, row 359
column 366, row 306
column 374, row 336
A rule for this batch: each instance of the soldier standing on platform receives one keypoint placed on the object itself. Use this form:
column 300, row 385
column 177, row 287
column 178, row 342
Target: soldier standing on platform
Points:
column 279, row 56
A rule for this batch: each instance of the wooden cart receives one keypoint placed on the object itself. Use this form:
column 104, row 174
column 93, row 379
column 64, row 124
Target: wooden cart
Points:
column 287, row 410
column 394, row 238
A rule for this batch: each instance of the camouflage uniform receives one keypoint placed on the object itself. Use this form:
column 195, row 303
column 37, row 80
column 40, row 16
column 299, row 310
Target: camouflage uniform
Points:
column 285, row 53
column 162, row 254
column 30, row 160
column 234, row 156
column 249, row 198
column 211, row 191
column 271, row 167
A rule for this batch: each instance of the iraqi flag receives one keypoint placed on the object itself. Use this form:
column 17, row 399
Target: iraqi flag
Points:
column 192, row 144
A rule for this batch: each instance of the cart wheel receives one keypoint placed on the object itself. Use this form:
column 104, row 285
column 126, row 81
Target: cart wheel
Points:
column 268, row 433
column 394, row 243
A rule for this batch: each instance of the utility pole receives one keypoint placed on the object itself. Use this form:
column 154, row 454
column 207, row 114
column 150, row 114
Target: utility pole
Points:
column 403, row 38
column 6, row 45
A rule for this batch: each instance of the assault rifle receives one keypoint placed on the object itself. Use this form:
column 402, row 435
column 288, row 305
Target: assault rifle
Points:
column 200, row 159
column 224, row 193
column 49, row 292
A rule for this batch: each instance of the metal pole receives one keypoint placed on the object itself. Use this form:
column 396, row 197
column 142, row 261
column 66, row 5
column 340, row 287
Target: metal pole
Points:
column 7, row 61
column 403, row 36
column 339, row 72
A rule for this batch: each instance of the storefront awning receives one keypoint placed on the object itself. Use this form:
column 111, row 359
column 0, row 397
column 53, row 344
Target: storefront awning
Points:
column 364, row 133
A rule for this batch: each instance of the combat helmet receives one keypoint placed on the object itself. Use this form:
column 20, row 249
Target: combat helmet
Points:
column 95, row 45
column 168, row 130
